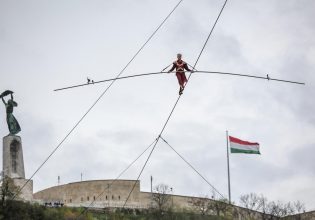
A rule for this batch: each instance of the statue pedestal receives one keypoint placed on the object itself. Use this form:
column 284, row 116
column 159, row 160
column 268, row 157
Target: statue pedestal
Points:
column 13, row 165
column 27, row 191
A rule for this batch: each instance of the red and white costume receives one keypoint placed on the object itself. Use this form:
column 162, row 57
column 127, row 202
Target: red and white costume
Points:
column 180, row 67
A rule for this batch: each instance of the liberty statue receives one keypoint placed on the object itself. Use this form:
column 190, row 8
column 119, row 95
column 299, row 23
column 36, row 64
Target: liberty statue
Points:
column 13, row 124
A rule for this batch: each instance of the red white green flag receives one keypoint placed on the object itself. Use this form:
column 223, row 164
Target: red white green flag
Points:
column 240, row 146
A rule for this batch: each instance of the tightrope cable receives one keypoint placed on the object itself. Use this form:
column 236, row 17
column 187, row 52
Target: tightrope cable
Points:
column 97, row 100
column 108, row 80
column 165, row 124
column 267, row 77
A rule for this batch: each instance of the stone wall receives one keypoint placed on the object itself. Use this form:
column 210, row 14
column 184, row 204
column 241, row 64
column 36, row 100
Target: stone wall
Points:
column 103, row 193
column 87, row 193
column 98, row 194
column 177, row 202
column 98, row 191
column 302, row 216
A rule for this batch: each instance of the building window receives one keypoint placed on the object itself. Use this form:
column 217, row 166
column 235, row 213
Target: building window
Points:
column 94, row 198
column 112, row 197
column 106, row 197
column 81, row 199
column 70, row 200
column 88, row 198
column 119, row 197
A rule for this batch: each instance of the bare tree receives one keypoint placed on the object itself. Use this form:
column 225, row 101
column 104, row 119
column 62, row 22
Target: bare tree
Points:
column 269, row 210
column 275, row 209
column 279, row 209
column 298, row 207
column 295, row 210
column 264, row 207
column 251, row 202
column 7, row 190
column 288, row 209
column 161, row 197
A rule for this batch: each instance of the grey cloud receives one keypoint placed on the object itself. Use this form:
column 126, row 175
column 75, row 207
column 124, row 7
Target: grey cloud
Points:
column 301, row 160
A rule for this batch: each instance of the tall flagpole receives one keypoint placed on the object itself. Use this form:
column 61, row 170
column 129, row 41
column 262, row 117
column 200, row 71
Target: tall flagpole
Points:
column 228, row 164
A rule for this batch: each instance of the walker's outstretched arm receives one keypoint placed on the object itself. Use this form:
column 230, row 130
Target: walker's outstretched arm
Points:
column 173, row 67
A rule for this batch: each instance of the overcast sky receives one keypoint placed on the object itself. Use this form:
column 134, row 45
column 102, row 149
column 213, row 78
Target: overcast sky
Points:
column 45, row 45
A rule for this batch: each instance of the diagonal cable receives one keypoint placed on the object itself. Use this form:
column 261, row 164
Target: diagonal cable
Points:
column 171, row 113
column 113, row 181
column 191, row 166
column 147, row 160
column 98, row 99
column 215, row 23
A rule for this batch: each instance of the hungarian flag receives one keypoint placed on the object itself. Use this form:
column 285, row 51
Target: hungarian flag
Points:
column 240, row 146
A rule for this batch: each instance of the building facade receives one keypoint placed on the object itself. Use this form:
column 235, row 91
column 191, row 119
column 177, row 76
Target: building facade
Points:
column 113, row 194
column 104, row 193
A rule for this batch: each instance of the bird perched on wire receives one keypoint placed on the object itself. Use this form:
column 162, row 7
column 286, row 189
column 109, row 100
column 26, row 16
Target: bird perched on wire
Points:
column 268, row 77
column 89, row 80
